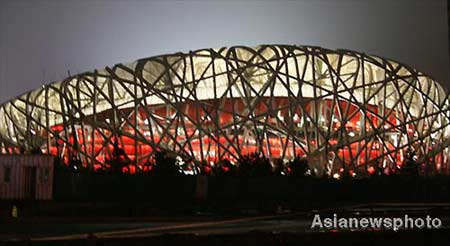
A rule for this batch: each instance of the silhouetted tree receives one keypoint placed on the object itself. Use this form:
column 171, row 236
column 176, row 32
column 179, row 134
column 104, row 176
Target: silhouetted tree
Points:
column 165, row 165
column 206, row 168
column 262, row 166
column 36, row 151
column 119, row 159
column 75, row 163
column 148, row 168
column 429, row 167
column 225, row 168
column 245, row 165
column 299, row 167
column 279, row 168
column 410, row 166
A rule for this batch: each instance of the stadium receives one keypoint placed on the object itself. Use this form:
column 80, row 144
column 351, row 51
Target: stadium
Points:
column 336, row 108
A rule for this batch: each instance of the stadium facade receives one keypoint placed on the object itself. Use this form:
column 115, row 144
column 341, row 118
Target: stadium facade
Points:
column 337, row 108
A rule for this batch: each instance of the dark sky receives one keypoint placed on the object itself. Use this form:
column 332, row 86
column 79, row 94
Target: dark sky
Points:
column 41, row 40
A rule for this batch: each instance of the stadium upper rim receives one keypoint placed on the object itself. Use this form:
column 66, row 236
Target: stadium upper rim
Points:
column 342, row 51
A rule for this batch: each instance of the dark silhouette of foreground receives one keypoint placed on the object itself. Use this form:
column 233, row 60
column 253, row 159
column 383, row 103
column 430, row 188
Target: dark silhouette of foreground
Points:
column 252, row 183
column 418, row 237
column 136, row 195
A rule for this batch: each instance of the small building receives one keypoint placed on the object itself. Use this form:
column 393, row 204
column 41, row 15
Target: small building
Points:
column 26, row 177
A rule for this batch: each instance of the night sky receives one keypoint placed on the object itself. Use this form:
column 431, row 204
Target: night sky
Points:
column 41, row 40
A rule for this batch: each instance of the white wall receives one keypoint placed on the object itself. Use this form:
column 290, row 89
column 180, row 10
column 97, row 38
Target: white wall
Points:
column 41, row 40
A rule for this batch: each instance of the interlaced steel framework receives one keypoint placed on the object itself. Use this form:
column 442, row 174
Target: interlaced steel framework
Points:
column 338, row 108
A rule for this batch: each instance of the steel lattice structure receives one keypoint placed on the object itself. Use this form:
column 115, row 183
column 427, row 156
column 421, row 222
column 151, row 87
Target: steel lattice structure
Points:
column 336, row 107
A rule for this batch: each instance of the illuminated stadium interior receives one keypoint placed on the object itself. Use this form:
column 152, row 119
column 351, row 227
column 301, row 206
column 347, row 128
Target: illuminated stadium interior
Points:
column 337, row 108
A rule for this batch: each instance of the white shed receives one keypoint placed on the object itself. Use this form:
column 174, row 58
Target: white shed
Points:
column 26, row 177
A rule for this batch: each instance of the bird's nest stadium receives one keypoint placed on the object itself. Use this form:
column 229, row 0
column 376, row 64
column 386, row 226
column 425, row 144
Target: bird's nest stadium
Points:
column 337, row 108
